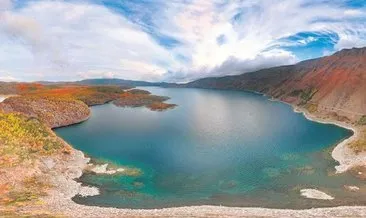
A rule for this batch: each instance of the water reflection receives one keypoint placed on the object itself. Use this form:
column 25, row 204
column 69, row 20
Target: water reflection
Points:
column 216, row 147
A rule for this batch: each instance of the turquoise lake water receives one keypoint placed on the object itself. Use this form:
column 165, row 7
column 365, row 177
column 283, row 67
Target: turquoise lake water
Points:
column 216, row 148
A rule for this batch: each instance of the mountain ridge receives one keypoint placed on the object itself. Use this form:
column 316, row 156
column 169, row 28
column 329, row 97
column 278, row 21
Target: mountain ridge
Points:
column 332, row 83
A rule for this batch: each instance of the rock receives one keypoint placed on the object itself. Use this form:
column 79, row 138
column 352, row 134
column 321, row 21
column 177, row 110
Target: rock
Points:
column 99, row 169
column 103, row 169
column 351, row 188
column 120, row 170
column 86, row 191
column 74, row 172
column 315, row 194
column 49, row 163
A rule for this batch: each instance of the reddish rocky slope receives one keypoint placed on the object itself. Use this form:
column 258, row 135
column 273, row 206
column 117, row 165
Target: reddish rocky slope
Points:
column 335, row 83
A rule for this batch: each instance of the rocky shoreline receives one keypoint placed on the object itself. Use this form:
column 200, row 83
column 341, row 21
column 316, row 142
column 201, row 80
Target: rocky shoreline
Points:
column 346, row 158
column 59, row 199
column 344, row 155
column 63, row 170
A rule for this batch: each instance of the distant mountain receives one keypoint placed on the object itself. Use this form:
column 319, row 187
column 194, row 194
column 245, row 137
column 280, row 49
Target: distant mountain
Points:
column 12, row 87
column 334, row 83
column 120, row 82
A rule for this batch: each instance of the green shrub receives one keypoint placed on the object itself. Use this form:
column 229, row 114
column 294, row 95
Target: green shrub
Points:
column 362, row 120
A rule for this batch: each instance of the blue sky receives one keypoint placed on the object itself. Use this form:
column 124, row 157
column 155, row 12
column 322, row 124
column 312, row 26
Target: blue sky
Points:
column 176, row 40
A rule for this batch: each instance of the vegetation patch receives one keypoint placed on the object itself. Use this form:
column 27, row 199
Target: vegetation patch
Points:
column 278, row 93
column 22, row 138
column 90, row 95
column 139, row 91
column 29, row 190
column 296, row 92
column 133, row 172
column 336, row 116
column 362, row 121
column 160, row 106
column 23, row 141
column 359, row 145
column 307, row 94
column 55, row 112
column 26, row 136
column 153, row 102
column 312, row 108
column 29, row 87
column 304, row 95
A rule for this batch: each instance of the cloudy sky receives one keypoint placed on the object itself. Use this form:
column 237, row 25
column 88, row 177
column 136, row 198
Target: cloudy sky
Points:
column 169, row 40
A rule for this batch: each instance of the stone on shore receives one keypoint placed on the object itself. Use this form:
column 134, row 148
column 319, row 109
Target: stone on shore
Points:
column 315, row 194
column 351, row 188
column 86, row 191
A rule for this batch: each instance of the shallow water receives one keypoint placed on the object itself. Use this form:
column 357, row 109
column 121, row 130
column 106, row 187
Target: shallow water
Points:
column 216, row 148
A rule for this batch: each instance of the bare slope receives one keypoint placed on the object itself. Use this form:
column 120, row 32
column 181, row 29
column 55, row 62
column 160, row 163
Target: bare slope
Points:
column 334, row 83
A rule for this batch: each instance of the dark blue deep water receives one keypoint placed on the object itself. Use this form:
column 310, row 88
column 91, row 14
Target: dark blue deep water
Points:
column 216, row 148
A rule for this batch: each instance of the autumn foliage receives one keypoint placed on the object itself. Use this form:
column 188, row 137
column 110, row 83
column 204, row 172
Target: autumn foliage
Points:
column 22, row 138
column 23, row 142
column 26, row 137
column 28, row 87
column 142, row 99
column 90, row 95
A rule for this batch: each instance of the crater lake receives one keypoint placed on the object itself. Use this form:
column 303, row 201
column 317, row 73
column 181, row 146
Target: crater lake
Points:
column 227, row 148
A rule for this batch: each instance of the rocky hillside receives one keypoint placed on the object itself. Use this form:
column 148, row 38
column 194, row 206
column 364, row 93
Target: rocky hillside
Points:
column 7, row 88
column 63, row 105
column 35, row 163
column 120, row 82
column 335, row 83
column 26, row 145
column 57, row 105
column 54, row 112
column 142, row 98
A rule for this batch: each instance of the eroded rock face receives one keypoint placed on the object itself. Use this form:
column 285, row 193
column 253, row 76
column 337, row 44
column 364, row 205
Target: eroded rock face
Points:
column 54, row 112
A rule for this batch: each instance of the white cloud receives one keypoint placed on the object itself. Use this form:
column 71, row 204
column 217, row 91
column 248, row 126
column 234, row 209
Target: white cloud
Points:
column 65, row 40
column 354, row 13
column 352, row 36
column 5, row 5
column 233, row 66
column 260, row 26
column 96, row 74
column 5, row 76
column 307, row 40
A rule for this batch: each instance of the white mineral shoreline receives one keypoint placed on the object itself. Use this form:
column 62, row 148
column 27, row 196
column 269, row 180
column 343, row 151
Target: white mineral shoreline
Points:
column 341, row 153
column 59, row 199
